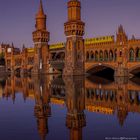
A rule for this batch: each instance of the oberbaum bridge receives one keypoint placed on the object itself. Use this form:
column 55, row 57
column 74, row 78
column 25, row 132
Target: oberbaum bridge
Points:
column 77, row 56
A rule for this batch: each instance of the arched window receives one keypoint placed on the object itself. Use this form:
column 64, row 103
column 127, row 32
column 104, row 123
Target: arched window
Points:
column 92, row 55
column 106, row 55
column 78, row 45
column 69, row 45
column 137, row 54
column 87, row 56
column 101, row 55
column 96, row 56
column 115, row 54
column 120, row 53
column 131, row 55
column 62, row 56
column 110, row 55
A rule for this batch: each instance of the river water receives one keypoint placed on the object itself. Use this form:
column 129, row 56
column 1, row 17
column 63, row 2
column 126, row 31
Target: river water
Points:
column 69, row 108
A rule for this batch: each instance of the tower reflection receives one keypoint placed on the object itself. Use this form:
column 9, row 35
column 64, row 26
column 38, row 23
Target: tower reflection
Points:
column 75, row 101
column 42, row 109
column 117, row 98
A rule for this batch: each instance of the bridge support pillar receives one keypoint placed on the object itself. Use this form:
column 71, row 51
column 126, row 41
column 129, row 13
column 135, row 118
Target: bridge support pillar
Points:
column 121, row 72
column 23, row 72
column 35, row 72
column 12, row 70
column 121, row 80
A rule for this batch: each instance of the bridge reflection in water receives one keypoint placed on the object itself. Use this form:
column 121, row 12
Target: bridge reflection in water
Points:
column 79, row 95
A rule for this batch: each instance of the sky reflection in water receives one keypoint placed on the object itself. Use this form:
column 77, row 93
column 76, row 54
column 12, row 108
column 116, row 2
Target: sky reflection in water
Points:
column 77, row 108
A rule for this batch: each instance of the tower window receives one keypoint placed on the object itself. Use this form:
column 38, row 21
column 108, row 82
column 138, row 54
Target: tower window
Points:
column 120, row 53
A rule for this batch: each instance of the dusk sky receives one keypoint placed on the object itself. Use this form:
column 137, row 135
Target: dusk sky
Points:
column 102, row 17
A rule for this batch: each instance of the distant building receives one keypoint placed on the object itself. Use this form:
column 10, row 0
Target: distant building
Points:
column 8, row 48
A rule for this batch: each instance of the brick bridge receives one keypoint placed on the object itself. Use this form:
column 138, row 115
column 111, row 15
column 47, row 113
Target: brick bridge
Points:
column 100, row 53
column 122, row 55
column 119, row 53
column 17, row 60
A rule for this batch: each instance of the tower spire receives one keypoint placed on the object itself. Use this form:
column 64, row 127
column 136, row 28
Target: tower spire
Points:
column 41, row 7
column 120, row 29
column 41, row 10
column 121, row 35
column 40, row 18
column 41, row 38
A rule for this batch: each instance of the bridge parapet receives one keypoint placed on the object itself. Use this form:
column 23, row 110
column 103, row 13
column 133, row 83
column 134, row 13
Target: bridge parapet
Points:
column 92, row 65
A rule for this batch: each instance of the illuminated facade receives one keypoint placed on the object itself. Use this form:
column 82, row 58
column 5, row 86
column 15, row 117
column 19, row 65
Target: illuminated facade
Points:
column 40, row 38
column 17, row 60
column 74, row 31
column 75, row 56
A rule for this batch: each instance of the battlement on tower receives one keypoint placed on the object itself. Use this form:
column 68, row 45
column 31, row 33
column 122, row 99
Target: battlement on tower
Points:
column 74, row 4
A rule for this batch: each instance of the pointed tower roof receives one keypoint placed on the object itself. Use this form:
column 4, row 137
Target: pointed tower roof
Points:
column 40, row 12
column 120, row 29
column 133, row 37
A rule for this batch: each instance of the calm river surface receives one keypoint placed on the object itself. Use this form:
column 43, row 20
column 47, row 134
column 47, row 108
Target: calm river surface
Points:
column 56, row 108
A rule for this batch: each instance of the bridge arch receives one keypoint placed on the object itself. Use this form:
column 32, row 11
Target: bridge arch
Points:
column 60, row 56
column 29, row 70
column 135, row 70
column 9, row 70
column 99, row 67
column 17, row 70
